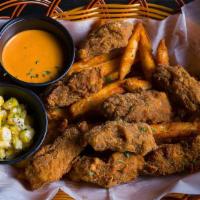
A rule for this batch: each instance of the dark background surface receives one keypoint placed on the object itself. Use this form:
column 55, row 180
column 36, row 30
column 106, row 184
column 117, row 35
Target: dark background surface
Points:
column 69, row 4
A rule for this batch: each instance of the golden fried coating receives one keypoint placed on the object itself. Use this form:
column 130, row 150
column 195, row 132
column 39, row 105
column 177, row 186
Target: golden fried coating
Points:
column 79, row 85
column 52, row 161
column 122, row 136
column 173, row 158
column 146, row 106
column 181, row 87
column 103, row 39
column 120, row 168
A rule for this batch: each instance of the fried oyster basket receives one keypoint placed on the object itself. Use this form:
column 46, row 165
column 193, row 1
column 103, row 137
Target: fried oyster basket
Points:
column 98, row 9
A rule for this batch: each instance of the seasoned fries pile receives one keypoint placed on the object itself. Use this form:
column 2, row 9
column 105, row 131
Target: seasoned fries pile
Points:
column 120, row 114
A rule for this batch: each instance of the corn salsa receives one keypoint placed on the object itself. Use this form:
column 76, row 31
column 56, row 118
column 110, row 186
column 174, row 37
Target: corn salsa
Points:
column 16, row 132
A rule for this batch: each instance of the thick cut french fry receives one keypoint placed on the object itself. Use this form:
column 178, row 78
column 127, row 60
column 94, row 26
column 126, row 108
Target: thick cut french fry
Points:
column 175, row 129
column 146, row 56
column 93, row 62
column 162, row 56
column 96, row 99
column 134, row 84
column 109, row 67
column 106, row 67
column 128, row 58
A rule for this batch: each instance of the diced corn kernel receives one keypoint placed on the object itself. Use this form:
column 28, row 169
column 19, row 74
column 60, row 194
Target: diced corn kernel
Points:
column 10, row 153
column 10, row 118
column 3, row 115
column 15, row 130
column 2, row 154
column 5, row 134
column 26, row 135
column 11, row 103
column 5, row 144
column 17, row 143
column 19, row 122
column 1, row 100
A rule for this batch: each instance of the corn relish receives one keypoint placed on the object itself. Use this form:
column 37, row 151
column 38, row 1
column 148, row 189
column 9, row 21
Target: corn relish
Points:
column 16, row 133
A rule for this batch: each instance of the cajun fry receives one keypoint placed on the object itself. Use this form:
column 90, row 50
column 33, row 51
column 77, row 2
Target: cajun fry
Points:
column 96, row 99
column 94, row 62
column 146, row 55
column 175, row 129
column 162, row 56
column 110, row 66
column 129, row 55
column 133, row 84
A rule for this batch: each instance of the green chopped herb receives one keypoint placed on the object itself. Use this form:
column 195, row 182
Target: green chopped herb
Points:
column 90, row 173
column 5, row 74
column 143, row 129
column 46, row 73
column 127, row 154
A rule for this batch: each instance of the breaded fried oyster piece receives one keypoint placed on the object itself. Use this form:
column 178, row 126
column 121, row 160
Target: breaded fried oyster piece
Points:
column 120, row 168
column 146, row 106
column 103, row 39
column 52, row 161
column 173, row 158
column 122, row 136
column 181, row 87
column 79, row 85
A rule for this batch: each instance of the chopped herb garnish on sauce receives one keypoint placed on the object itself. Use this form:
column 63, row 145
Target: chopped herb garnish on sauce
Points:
column 44, row 73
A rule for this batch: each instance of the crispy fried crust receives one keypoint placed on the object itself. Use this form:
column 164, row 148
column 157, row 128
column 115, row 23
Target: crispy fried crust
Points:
column 173, row 158
column 146, row 106
column 122, row 136
column 52, row 161
column 105, row 38
column 78, row 86
column 120, row 168
column 181, row 87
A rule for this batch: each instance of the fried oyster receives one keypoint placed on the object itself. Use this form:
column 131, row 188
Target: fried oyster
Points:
column 105, row 38
column 173, row 158
column 146, row 106
column 52, row 161
column 79, row 85
column 120, row 168
column 181, row 87
column 122, row 136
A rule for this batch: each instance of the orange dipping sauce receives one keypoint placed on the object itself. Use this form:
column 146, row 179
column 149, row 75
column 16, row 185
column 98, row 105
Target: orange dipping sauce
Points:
column 33, row 56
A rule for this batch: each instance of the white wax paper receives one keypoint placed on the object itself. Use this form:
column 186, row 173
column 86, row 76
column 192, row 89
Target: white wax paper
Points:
column 182, row 33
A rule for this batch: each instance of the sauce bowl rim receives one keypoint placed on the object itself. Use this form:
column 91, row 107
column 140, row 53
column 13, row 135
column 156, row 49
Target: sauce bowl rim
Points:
column 57, row 24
